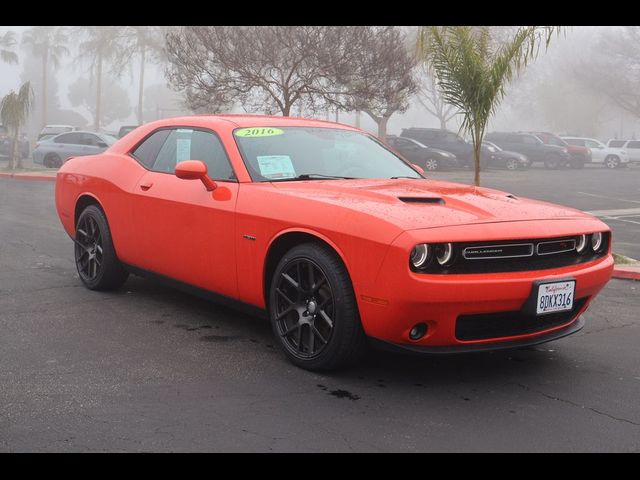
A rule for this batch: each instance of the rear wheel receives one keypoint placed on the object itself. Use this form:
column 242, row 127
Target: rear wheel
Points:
column 96, row 260
column 611, row 162
column 52, row 160
column 431, row 164
column 313, row 310
column 576, row 162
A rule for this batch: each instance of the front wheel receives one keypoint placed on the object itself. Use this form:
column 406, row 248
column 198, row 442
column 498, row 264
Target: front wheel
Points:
column 313, row 311
column 96, row 260
column 512, row 164
column 431, row 165
column 611, row 162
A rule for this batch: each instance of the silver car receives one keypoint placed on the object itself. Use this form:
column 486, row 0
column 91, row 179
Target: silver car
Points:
column 53, row 152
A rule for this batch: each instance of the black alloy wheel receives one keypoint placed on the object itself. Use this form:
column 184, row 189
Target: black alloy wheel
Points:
column 96, row 260
column 313, row 310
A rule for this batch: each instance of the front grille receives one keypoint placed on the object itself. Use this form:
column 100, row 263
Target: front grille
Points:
column 508, row 324
column 515, row 256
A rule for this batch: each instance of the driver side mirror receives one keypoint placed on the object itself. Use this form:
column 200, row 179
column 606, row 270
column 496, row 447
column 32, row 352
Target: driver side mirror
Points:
column 418, row 168
column 195, row 170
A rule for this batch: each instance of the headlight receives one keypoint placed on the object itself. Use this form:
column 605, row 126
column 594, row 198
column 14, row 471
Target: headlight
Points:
column 596, row 241
column 581, row 244
column 565, row 150
column 444, row 253
column 420, row 255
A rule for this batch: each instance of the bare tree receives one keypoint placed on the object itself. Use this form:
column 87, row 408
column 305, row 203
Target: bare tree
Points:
column 265, row 68
column 613, row 68
column 430, row 98
column 379, row 79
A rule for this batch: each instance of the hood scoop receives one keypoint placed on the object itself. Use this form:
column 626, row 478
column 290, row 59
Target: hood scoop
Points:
column 422, row 200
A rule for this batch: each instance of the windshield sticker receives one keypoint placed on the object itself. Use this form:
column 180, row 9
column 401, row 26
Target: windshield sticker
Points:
column 258, row 132
column 276, row 166
column 183, row 149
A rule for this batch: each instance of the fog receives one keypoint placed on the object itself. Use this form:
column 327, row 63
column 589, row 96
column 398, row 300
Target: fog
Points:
column 553, row 94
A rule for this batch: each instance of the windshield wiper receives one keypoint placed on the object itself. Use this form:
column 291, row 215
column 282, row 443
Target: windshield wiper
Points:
column 312, row 176
column 412, row 178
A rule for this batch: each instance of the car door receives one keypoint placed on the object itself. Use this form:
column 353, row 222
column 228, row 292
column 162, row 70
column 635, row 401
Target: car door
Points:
column 598, row 150
column 410, row 150
column 633, row 150
column 186, row 232
column 68, row 145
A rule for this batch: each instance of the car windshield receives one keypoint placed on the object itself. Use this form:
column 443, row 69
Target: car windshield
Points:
column 290, row 153
column 109, row 139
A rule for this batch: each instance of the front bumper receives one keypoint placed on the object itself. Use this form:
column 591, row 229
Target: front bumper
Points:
column 401, row 298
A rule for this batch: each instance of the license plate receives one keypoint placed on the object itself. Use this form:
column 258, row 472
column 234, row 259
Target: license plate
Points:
column 555, row 297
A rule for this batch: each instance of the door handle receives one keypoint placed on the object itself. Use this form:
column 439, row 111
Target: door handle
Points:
column 146, row 186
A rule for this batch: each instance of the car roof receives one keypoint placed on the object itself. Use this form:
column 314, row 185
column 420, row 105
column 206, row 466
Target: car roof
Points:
column 246, row 120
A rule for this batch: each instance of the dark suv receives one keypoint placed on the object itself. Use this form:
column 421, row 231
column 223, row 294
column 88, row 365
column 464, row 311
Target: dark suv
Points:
column 442, row 140
column 536, row 150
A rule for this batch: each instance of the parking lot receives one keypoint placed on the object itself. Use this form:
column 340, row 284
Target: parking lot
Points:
column 149, row 368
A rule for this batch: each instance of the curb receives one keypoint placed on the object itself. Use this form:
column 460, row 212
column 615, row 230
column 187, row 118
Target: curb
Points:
column 28, row 176
column 627, row 272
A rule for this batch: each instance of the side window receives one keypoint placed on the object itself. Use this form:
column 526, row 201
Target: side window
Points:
column 633, row 144
column 189, row 144
column 528, row 140
column 90, row 139
column 147, row 151
column 69, row 138
column 591, row 144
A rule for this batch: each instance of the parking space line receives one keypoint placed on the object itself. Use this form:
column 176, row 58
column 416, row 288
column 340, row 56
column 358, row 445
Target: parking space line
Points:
column 609, row 198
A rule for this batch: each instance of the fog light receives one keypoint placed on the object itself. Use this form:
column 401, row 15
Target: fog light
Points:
column 596, row 241
column 581, row 244
column 418, row 331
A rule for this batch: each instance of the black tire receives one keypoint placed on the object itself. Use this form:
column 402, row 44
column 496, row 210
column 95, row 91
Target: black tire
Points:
column 552, row 161
column 431, row 164
column 96, row 260
column 576, row 162
column 512, row 164
column 313, row 310
column 52, row 160
column 611, row 162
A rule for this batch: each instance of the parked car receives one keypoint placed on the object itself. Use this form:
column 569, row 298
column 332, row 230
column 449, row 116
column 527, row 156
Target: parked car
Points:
column 54, row 130
column 426, row 157
column 492, row 156
column 632, row 147
column 610, row 157
column 331, row 236
column 442, row 140
column 53, row 152
column 6, row 142
column 579, row 154
column 553, row 156
column 126, row 129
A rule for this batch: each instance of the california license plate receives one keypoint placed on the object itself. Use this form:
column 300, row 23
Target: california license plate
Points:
column 555, row 297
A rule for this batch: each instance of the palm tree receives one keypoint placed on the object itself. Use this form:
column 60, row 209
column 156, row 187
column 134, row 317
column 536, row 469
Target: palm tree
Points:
column 7, row 44
column 102, row 45
column 148, row 43
column 14, row 112
column 472, row 70
column 49, row 43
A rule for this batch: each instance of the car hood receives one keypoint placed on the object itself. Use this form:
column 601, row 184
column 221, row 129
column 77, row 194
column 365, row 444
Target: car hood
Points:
column 416, row 204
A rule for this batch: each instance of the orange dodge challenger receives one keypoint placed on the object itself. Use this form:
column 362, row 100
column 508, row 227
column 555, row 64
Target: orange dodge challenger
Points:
column 332, row 235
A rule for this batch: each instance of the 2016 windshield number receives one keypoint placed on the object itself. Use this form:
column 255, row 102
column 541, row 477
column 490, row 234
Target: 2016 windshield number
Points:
column 258, row 132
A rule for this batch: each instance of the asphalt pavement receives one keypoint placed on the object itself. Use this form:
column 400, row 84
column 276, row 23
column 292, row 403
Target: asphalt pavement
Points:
column 148, row 368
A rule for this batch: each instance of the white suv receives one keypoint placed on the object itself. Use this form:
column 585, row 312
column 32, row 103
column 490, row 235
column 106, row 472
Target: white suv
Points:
column 609, row 156
column 632, row 148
